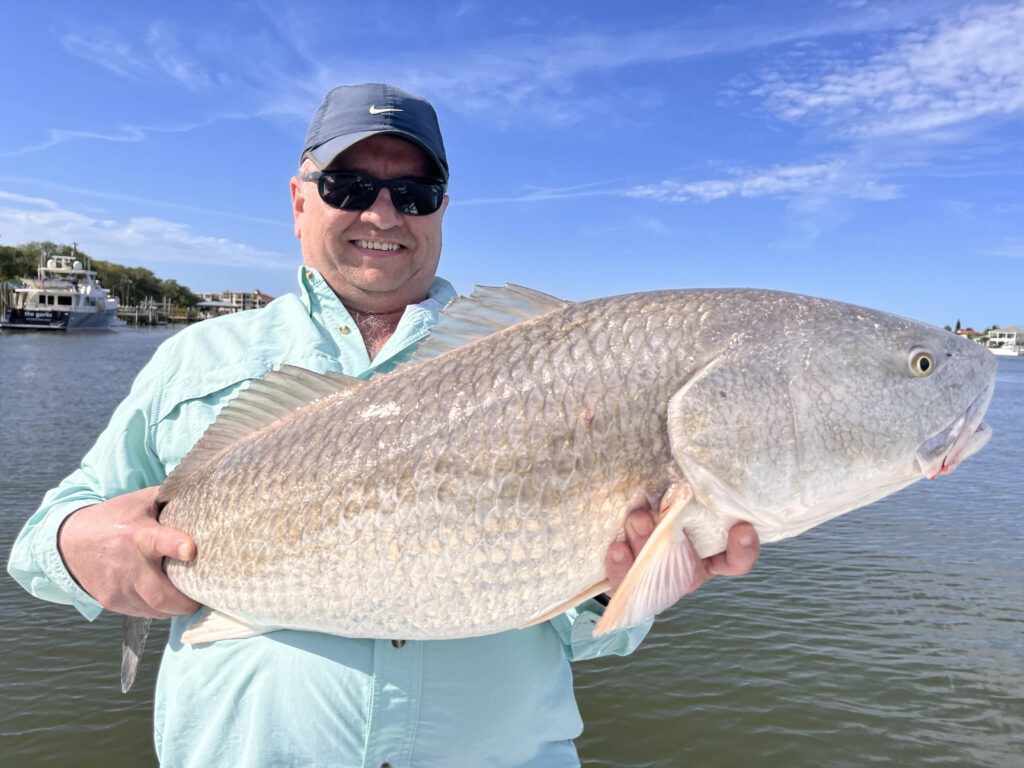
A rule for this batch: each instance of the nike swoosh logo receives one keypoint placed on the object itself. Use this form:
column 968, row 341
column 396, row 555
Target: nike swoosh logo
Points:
column 375, row 111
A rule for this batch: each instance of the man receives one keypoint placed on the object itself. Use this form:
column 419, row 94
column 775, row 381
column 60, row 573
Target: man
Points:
column 368, row 293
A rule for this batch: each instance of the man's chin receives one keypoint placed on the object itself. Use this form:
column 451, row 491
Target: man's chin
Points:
column 384, row 293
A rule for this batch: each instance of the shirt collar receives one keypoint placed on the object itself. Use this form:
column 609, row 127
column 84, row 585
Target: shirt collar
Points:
column 325, row 309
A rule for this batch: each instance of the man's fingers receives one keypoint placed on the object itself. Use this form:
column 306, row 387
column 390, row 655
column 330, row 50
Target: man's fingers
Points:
column 740, row 554
column 639, row 526
column 617, row 563
column 163, row 600
column 621, row 554
column 163, row 541
column 160, row 598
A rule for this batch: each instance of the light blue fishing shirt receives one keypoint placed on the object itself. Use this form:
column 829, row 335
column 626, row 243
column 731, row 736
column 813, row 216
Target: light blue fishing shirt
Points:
column 293, row 698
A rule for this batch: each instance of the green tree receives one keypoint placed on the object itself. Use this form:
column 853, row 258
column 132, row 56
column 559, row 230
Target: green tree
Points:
column 15, row 263
column 23, row 260
column 178, row 294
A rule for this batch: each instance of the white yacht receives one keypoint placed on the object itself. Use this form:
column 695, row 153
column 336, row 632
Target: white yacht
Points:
column 65, row 296
column 1007, row 350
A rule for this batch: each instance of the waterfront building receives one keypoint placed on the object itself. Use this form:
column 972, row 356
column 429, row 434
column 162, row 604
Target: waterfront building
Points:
column 234, row 301
column 1006, row 341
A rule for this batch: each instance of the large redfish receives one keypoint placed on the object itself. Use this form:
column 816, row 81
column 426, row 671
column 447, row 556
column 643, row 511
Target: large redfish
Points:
column 478, row 489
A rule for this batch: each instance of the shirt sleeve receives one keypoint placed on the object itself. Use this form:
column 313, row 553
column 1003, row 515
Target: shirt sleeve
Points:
column 122, row 460
column 575, row 627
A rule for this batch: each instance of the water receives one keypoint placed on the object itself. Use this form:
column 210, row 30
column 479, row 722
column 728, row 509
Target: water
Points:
column 61, row 702
column 893, row 635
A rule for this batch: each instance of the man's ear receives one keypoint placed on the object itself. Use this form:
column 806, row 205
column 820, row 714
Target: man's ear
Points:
column 298, row 204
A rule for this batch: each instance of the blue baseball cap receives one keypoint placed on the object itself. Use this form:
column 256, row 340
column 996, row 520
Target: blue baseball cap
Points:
column 351, row 113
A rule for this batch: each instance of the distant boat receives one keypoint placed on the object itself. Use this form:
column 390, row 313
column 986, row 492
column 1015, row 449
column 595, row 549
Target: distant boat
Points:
column 1007, row 350
column 65, row 296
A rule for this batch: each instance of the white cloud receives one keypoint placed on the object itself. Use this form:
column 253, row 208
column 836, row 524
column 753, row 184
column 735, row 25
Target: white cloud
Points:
column 134, row 200
column 825, row 180
column 58, row 136
column 1012, row 247
column 539, row 194
column 126, row 133
column 104, row 50
column 138, row 241
column 961, row 68
column 531, row 78
column 647, row 224
column 834, row 178
column 26, row 200
column 169, row 57
column 547, row 75
column 162, row 54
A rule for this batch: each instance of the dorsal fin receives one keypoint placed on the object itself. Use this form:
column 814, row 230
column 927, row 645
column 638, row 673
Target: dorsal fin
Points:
column 486, row 310
column 264, row 401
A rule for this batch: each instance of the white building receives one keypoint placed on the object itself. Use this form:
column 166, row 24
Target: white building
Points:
column 235, row 301
column 1006, row 341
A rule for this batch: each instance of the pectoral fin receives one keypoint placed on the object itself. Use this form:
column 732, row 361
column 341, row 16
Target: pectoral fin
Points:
column 214, row 625
column 572, row 602
column 664, row 571
column 134, row 631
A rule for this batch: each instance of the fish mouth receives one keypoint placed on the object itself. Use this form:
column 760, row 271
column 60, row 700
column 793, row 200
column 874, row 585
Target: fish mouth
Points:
column 941, row 453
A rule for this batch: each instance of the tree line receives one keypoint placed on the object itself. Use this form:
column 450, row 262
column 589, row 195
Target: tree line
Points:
column 131, row 285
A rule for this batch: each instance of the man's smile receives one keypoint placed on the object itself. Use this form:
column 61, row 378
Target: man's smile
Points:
column 377, row 246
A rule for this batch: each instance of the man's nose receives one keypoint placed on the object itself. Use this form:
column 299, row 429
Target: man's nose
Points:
column 382, row 214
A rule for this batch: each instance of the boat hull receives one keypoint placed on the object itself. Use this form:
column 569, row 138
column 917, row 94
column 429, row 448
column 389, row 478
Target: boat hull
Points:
column 53, row 320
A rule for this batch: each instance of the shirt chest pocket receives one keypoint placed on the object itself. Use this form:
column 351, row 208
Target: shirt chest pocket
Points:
column 186, row 421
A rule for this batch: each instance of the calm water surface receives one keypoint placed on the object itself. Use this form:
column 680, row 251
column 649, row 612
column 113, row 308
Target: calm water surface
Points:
column 894, row 635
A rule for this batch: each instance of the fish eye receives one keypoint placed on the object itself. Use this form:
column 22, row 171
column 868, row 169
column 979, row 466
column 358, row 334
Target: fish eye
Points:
column 921, row 363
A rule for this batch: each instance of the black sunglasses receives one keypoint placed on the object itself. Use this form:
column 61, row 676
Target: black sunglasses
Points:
column 351, row 191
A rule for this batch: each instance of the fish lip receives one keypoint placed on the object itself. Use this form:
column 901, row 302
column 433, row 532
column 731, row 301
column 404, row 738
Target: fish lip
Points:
column 966, row 435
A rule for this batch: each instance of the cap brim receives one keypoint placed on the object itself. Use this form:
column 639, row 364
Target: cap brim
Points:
column 325, row 154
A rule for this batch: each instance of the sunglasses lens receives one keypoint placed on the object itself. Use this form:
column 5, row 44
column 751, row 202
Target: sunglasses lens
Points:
column 357, row 192
column 416, row 198
column 346, row 191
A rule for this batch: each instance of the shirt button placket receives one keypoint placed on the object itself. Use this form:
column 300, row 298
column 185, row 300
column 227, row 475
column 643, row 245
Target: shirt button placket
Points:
column 394, row 703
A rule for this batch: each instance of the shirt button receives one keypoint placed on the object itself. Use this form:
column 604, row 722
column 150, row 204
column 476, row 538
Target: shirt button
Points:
column 398, row 643
column 309, row 274
column 385, row 765
column 344, row 330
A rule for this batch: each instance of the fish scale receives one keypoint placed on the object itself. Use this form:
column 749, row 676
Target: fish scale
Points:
column 479, row 486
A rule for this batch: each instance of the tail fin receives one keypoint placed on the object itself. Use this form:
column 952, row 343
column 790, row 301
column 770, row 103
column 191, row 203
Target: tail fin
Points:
column 133, row 640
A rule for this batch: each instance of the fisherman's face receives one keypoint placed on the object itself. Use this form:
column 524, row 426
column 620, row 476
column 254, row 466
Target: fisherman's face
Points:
column 377, row 260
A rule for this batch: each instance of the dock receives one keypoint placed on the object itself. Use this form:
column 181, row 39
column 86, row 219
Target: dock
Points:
column 158, row 313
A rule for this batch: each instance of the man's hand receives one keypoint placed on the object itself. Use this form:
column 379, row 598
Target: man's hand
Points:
column 739, row 557
column 115, row 551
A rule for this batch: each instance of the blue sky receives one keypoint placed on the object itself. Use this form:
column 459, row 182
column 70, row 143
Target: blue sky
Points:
column 859, row 150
